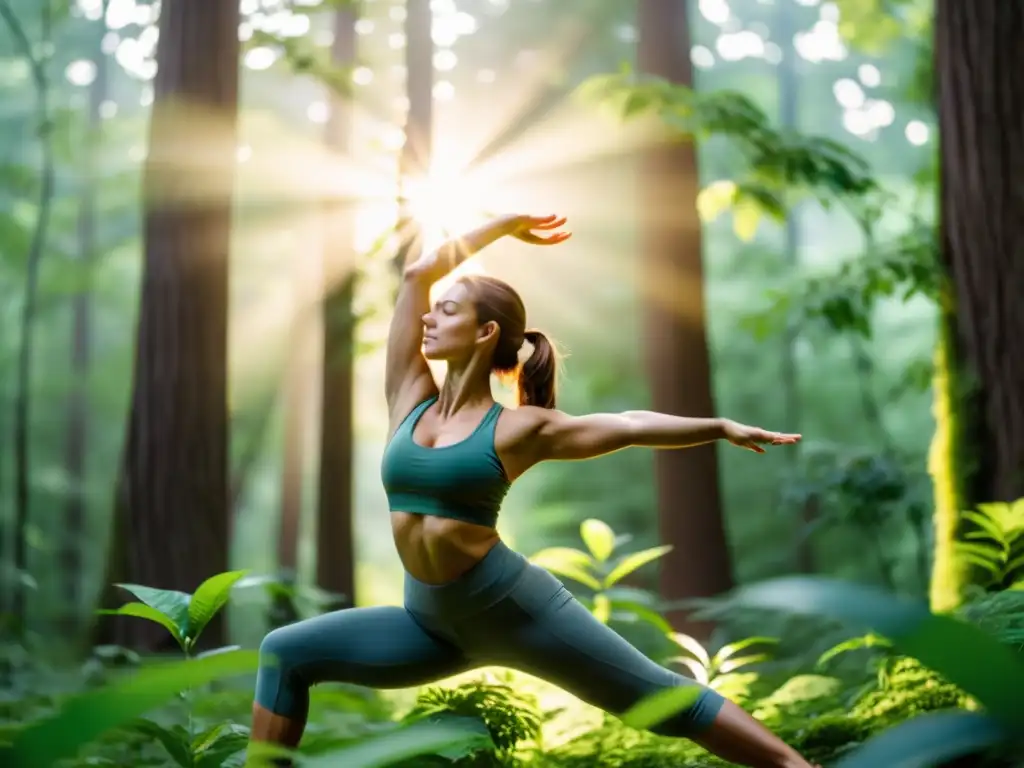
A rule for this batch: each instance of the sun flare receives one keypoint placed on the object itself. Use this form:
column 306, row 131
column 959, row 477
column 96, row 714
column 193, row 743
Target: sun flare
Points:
column 445, row 203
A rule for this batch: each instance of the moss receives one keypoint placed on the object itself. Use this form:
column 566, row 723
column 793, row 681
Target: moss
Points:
column 909, row 689
column 828, row 736
column 950, row 575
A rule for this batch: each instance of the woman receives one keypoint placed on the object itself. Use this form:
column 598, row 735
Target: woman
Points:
column 471, row 601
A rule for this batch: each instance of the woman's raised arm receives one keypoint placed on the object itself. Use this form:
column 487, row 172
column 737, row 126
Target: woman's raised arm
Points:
column 407, row 378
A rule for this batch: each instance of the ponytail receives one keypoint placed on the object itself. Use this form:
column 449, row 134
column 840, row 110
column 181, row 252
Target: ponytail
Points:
column 538, row 373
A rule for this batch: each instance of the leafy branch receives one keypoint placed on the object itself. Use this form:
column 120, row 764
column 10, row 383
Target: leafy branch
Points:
column 845, row 299
column 779, row 167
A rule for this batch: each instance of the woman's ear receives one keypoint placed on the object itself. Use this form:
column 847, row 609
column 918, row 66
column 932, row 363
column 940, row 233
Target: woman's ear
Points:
column 489, row 331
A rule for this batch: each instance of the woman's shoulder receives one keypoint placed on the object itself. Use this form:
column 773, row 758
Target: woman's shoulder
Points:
column 523, row 423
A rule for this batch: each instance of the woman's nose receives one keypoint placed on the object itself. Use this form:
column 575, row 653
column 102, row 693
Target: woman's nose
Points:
column 428, row 320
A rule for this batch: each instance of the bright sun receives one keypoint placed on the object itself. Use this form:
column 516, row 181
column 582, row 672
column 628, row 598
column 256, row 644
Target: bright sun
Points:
column 444, row 204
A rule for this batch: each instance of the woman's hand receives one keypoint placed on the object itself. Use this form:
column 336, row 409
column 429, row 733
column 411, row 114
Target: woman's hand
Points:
column 752, row 438
column 522, row 228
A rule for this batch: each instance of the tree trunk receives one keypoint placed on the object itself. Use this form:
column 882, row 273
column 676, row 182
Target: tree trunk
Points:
column 26, row 351
column 978, row 455
column 74, row 531
column 335, row 563
column 414, row 161
column 297, row 392
column 689, row 503
column 172, row 497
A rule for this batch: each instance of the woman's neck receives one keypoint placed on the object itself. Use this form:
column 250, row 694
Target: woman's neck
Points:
column 464, row 386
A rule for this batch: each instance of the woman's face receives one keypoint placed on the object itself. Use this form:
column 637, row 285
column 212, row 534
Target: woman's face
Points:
column 450, row 329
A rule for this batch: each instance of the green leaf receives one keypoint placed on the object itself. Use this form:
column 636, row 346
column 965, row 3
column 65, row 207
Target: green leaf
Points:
column 630, row 611
column 633, row 561
column 567, row 562
column 746, row 216
column 209, row 598
column 576, row 574
column 853, row 644
column 602, row 608
column 559, row 556
column 697, row 670
column 175, row 740
column 693, row 646
column 84, row 717
column 599, row 538
column 928, row 740
column 715, row 198
column 143, row 611
column 212, row 748
column 660, row 706
column 965, row 655
column 985, row 523
column 421, row 738
column 170, row 602
column 728, row 650
column 731, row 665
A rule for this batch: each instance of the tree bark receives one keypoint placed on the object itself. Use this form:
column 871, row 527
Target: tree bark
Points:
column 978, row 455
column 335, row 564
column 689, row 503
column 173, row 496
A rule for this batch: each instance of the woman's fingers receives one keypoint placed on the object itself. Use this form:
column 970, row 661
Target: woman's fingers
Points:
column 533, row 222
column 558, row 237
column 550, row 223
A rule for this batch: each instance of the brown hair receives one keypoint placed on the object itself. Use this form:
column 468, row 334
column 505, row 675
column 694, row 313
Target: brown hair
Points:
column 497, row 301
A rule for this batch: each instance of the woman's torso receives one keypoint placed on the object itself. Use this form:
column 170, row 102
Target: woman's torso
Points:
column 457, row 465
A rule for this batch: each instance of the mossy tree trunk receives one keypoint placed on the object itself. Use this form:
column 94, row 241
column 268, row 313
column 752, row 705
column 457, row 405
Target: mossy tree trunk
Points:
column 978, row 452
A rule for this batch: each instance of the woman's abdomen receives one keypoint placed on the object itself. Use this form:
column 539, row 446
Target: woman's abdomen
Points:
column 437, row 550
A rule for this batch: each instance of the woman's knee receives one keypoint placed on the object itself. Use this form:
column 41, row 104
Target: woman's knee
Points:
column 278, row 647
column 277, row 689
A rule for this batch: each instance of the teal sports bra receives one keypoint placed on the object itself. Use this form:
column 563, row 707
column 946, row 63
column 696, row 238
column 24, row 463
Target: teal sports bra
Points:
column 464, row 481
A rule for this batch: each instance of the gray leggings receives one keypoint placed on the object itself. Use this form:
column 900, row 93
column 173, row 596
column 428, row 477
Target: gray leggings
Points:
column 503, row 612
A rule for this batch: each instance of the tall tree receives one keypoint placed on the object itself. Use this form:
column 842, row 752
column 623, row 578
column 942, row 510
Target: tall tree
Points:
column 297, row 390
column 419, row 88
column 35, row 57
column 335, row 563
column 689, row 502
column 73, row 531
column 978, row 454
column 171, row 509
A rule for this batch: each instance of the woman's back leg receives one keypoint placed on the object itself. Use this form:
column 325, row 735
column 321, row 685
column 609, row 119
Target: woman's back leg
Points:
column 377, row 647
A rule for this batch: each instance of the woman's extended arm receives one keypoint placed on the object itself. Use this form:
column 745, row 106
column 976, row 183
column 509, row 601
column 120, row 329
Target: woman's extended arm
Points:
column 560, row 436
column 405, row 367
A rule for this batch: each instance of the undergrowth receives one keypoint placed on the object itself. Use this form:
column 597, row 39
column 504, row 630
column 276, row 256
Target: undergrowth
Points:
column 884, row 698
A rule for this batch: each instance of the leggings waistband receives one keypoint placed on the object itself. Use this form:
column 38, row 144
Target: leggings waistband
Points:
column 487, row 582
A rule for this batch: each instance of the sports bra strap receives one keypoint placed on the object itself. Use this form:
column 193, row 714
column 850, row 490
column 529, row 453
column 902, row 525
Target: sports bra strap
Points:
column 490, row 418
column 409, row 422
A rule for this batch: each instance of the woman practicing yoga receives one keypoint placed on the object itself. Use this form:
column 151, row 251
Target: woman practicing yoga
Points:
column 470, row 601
